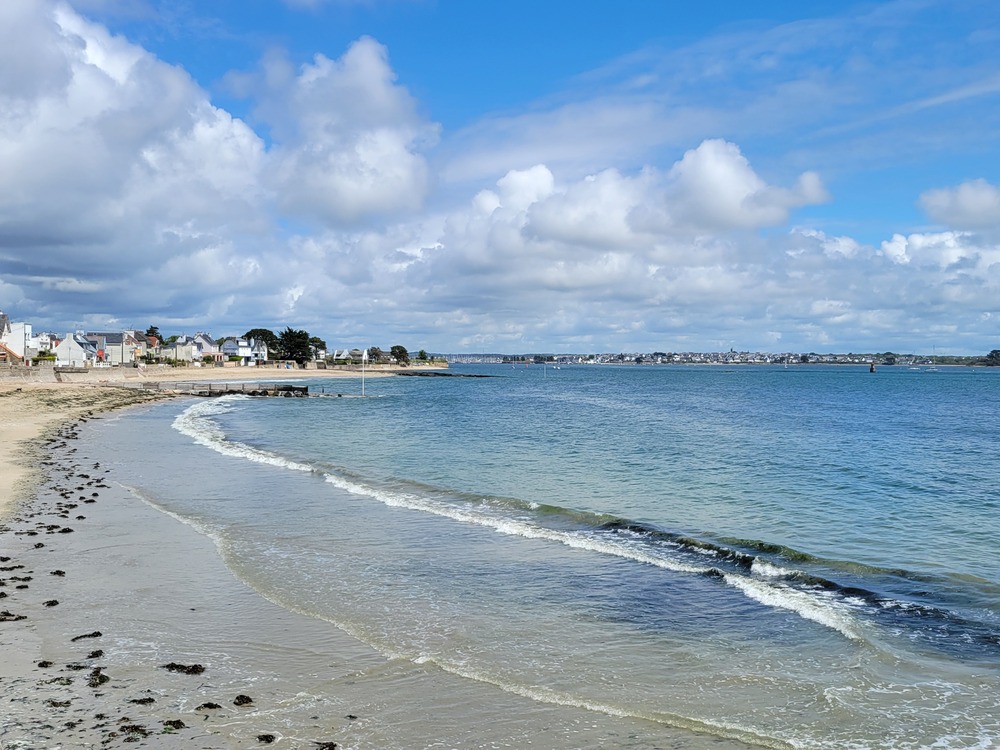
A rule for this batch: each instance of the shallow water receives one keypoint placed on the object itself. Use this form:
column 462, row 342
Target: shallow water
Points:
column 785, row 558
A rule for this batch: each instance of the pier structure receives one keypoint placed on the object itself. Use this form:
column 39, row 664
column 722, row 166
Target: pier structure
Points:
column 225, row 389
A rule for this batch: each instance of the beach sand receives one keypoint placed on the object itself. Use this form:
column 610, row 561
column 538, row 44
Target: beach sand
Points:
column 74, row 579
column 31, row 406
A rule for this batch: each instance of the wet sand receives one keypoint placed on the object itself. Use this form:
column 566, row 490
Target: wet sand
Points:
column 85, row 614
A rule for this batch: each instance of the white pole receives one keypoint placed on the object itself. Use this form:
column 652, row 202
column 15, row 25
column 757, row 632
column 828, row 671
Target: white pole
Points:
column 364, row 358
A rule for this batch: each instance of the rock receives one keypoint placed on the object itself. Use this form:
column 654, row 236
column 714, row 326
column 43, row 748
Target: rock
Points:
column 51, row 602
column 207, row 706
column 183, row 668
column 266, row 739
column 44, row 664
column 242, row 700
column 97, row 678
column 59, row 573
column 174, row 724
column 96, row 654
column 142, row 701
column 95, row 634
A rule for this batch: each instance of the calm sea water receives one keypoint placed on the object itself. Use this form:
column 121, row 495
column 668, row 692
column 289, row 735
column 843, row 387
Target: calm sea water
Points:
column 802, row 557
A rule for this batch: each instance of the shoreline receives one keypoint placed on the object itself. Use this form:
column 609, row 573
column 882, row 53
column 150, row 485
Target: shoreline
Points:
column 101, row 589
column 30, row 412
column 85, row 661
column 33, row 406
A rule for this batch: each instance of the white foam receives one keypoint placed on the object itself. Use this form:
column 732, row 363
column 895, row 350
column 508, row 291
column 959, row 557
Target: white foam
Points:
column 810, row 605
column 765, row 569
column 195, row 422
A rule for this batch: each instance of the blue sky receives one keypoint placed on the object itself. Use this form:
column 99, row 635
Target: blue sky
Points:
column 516, row 177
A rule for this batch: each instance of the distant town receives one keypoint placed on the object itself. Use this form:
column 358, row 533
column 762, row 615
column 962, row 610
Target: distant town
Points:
column 731, row 357
column 20, row 345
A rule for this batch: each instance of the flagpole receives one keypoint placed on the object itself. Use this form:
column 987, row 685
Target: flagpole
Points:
column 364, row 359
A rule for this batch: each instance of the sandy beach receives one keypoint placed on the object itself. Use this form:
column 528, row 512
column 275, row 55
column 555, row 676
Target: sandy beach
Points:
column 31, row 406
column 65, row 680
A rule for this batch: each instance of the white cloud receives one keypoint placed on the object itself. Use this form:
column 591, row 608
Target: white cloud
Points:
column 714, row 187
column 842, row 246
column 594, row 211
column 114, row 146
column 941, row 249
column 348, row 138
column 971, row 205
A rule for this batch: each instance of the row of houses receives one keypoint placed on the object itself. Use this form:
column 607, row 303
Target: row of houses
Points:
column 20, row 345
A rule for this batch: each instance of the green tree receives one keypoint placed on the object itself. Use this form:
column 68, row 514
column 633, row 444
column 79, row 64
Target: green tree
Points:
column 374, row 354
column 317, row 344
column 422, row 356
column 267, row 336
column 154, row 331
column 400, row 354
column 294, row 345
column 993, row 358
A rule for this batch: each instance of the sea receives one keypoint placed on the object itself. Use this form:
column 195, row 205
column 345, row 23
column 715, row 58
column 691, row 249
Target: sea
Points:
column 610, row 556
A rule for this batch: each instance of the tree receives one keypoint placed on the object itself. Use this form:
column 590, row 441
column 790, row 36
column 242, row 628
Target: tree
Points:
column 993, row 358
column 374, row 354
column 267, row 336
column 153, row 331
column 400, row 354
column 317, row 344
column 422, row 356
column 294, row 345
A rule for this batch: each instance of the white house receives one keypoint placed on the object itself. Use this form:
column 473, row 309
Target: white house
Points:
column 17, row 338
column 76, row 351
column 250, row 351
column 45, row 342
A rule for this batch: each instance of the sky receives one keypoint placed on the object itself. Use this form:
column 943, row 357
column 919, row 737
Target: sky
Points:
column 517, row 177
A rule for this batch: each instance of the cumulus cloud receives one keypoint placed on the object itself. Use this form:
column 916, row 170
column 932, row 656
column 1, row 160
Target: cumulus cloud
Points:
column 103, row 142
column 347, row 136
column 714, row 187
column 942, row 250
column 971, row 205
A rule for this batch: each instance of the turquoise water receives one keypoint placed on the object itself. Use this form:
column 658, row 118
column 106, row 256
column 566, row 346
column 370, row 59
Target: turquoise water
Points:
column 801, row 557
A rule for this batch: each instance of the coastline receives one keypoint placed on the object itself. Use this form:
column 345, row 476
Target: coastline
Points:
column 35, row 404
column 85, row 566
column 30, row 411
column 101, row 590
